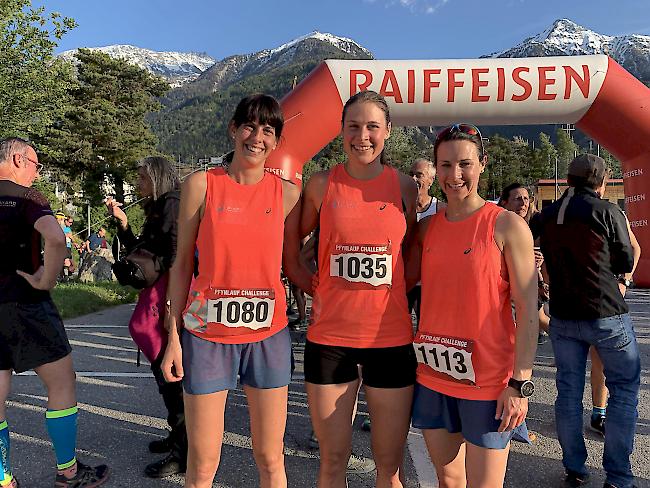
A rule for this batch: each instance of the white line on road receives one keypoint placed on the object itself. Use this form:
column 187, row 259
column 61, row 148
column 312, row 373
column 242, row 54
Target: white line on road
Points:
column 424, row 469
column 95, row 326
column 100, row 374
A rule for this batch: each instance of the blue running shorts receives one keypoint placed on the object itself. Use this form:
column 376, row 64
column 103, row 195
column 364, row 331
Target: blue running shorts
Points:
column 210, row 366
column 474, row 419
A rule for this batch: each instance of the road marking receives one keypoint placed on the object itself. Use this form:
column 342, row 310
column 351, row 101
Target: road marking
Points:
column 424, row 469
column 102, row 346
column 95, row 326
column 229, row 438
column 99, row 374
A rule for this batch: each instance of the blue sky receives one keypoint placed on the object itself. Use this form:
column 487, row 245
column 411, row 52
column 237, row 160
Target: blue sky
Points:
column 391, row 29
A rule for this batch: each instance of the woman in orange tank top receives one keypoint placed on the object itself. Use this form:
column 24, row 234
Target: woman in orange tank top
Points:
column 362, row 209
column 472, row 390
column 233, row 323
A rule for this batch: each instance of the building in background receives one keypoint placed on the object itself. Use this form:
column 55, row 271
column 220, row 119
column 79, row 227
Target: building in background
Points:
column 546, row 194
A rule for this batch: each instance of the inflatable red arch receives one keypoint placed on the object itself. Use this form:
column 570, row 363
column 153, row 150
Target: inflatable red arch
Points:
column 593, row 92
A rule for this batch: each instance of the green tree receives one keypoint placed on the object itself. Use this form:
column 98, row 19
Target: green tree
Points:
column 567, row 149
column 33, row 84
column 104, row 132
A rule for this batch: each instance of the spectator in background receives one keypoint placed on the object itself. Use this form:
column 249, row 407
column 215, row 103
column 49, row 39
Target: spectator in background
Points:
column 97, row 240
column 423, row 172
column 589, row 256
column 158, row 185
column 32, row 336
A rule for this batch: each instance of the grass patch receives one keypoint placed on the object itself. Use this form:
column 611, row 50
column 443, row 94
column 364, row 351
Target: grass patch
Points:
column 75, row 299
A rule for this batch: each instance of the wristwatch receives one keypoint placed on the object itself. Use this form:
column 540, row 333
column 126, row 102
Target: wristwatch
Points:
column 624, row 281
column 526, row 388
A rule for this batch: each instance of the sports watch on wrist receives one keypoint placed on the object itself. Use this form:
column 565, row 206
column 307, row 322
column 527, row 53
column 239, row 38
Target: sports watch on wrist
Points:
column 624, row 281
column 526, row 388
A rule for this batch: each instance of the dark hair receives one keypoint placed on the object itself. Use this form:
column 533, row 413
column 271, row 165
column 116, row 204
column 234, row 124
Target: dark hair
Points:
column 12, row 145
column 260, row 108
column 505, row 194
column 592, row 181
column 458, row 135
column 161, row 172
column 369, row 96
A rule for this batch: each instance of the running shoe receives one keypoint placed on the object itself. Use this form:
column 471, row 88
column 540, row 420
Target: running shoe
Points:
column 313, row 441
column 161, row 446
column 165, row 467
column 360, row 465
column 542, row 338
column 574, row 479
column 597, row 424
column 86, row 477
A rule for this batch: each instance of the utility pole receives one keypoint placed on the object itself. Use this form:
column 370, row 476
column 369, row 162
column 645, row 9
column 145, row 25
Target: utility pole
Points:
column 556, row 177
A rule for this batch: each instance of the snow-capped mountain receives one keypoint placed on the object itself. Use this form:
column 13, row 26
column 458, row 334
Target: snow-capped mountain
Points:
column 316, row 45
column 176, row 67
column 566, row 38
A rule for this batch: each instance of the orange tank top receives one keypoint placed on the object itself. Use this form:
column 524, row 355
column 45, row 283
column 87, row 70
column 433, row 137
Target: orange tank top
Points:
column 466, row 338
column 360, row 300
column 238, row 296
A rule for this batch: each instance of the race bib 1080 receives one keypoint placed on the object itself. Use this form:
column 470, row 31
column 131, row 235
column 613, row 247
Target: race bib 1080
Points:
column 449, row 356
column 362, row 263
column 242, row 308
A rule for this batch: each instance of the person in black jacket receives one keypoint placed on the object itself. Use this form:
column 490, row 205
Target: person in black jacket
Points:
column 589, row 257
column 159, row 185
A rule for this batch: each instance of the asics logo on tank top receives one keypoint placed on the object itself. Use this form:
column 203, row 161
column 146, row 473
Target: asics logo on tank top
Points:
column 343, row 204
column 467, row 251
column 382, row 207
column 227, row 209
column 268, row 210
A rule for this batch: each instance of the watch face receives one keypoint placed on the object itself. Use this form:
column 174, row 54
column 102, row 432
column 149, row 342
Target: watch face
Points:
column 527, row 389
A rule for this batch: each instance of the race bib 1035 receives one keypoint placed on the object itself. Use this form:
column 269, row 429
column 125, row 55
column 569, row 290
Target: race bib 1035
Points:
column 362, row 263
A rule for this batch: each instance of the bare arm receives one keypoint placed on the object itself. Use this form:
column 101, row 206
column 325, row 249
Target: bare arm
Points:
column 180, row 275
column 409, row 191
column 55, row 253
column 514, row 237
column 302, row 220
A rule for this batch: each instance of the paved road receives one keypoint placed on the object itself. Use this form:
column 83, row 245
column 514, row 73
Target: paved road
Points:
column 121, row 412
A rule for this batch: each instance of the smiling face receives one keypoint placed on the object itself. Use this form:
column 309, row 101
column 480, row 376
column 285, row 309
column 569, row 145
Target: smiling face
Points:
column 365, row 131
column 459, row 168
column 518, row 202
column 254, row 142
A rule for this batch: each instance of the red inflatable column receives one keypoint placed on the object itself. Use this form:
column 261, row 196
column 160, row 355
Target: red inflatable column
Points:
column 312, row 118
column 619, row 119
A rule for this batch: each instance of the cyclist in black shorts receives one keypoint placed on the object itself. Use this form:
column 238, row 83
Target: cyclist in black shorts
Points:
column 32, row 335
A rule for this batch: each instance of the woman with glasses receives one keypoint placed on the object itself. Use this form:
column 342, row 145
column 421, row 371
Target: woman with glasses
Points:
column 363, row 209
column 473, row 376
column 233, row 323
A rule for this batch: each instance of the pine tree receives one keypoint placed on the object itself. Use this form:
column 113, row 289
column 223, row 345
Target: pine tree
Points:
column 104, row 133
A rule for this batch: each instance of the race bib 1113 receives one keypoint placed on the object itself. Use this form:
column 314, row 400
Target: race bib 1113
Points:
column 451, row 357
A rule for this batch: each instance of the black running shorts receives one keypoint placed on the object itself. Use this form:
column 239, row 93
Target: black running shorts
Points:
column 381, row 367
column 31, row 335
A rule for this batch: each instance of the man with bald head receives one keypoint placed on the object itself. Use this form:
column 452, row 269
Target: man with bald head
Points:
column 32, row 335
column 423, row 172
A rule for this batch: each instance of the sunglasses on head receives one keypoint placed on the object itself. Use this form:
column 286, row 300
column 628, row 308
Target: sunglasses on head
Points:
column 469, row 129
